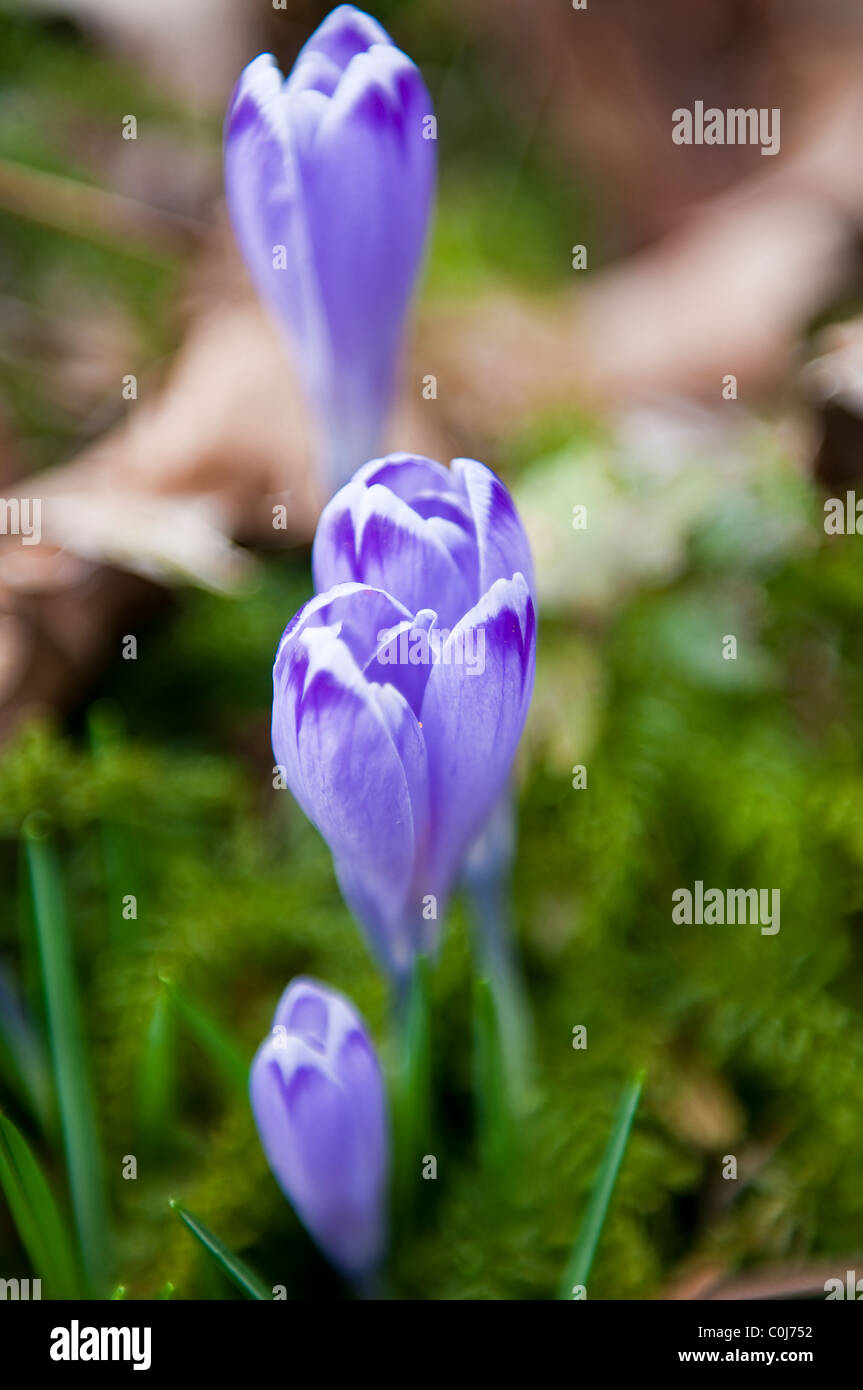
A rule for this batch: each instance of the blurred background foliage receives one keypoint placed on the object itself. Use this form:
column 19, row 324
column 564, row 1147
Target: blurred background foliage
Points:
column 157, row 778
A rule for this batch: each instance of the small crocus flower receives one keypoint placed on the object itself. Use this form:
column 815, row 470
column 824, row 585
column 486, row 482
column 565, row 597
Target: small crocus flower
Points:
column 330, row 179
column 396, row 726
column 319, row 1104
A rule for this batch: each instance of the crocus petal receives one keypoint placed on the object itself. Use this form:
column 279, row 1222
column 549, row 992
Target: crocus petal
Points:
column 334, row 557
column 501, row 538
column 381, row 540
column 265, row 200
column 472, row 722
column 405, row 658
column 368, row 181
column 358, row 611
column 355, row 759
column 405, row 475
column 345, row 32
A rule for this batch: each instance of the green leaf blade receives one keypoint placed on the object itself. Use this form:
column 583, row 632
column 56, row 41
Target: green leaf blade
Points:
column 155, row 1075
column 581, row 1260
column 24, row 1059
column 230, row 1061
column 68, row 1056
column 36, row 1216
column 230, row 1264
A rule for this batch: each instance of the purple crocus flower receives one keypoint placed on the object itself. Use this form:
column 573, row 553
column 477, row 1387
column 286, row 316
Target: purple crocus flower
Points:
column 319, row 1104
column 330, row 179
column 396, row 722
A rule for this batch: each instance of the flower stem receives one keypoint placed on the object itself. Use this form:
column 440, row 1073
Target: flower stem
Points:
column 372, row 1287
column 495, row 1128
column 497, row 963
column 412, row 1089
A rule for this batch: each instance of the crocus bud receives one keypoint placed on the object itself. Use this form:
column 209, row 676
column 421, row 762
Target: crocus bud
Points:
column 330, row 179
column 319, row 1104
column 397, row 731
column 430, row 536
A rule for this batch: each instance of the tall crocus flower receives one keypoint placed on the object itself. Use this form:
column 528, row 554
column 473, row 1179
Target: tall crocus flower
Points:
column 330, row 178
column 318, row 1099
column 396, row 722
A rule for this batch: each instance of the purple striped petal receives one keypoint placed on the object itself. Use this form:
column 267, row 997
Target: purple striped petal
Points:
column 502, row 543
column 355, row 760
column 472, row 722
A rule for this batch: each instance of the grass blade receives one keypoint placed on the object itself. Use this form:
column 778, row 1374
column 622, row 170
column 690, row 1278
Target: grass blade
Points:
column 233, row 1064
column 29, row 972
column 105, row 727
column 155, row 1077
column 229, row 1263
column 68, row 1059
column 37, row 1218
column 603, row 1186
column 23, row 1057
column 117, row 879
column 490, row 1081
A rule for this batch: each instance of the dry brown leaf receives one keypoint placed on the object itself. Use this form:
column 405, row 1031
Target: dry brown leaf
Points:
column 605, row 81
column 706, row 1279
column 196, row 46
column 728, row 291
